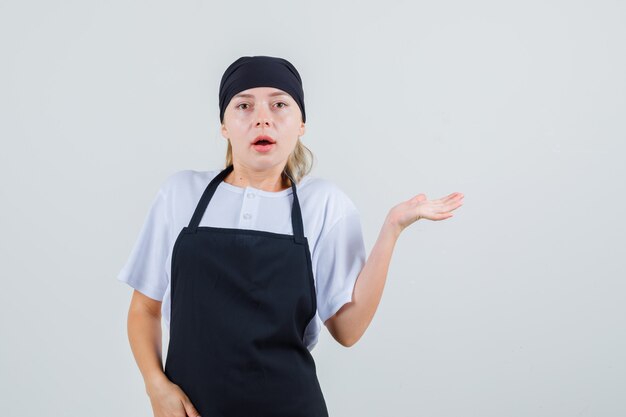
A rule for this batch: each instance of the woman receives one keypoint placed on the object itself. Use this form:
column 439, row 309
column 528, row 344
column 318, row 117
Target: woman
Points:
column 246, row 263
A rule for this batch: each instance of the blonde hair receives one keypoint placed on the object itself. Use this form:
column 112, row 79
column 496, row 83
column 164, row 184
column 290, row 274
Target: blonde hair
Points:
column 299, row 163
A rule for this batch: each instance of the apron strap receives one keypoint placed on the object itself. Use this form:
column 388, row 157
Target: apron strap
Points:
column 206, row 197
column 296, row 214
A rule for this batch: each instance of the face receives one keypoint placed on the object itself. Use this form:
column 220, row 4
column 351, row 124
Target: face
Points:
column 262, row 111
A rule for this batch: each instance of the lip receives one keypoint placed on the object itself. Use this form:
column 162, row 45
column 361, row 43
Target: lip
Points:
column 264, row 148
column 260, row 137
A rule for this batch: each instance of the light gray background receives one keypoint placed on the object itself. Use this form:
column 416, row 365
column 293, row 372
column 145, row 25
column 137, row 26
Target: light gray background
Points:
column 513, row 307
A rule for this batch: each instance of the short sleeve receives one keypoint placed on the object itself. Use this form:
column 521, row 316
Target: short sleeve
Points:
column 339, row 258
column 145, row 269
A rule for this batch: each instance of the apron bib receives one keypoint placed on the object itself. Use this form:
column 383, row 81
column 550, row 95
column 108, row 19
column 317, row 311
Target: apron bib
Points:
column 240, row 302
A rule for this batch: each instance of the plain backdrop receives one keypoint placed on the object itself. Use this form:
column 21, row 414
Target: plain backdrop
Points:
column 515, row 306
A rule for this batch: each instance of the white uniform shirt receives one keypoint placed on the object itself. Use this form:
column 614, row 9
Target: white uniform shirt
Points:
column 330, row 219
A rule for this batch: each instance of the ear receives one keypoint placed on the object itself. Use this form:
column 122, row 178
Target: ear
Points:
column 224, row 131
column 302, row 129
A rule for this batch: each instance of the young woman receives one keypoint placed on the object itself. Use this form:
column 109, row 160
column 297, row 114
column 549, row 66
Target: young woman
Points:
column 245, row 263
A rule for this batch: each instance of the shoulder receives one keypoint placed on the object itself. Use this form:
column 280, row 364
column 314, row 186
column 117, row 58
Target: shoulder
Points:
column 324, row 200
column 327, row 190
column 185, row 182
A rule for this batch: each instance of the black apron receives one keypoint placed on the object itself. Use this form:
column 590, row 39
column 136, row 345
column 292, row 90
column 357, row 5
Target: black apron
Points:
column 241, row 300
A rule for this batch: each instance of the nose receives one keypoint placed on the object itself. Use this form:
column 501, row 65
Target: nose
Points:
column 263, row 116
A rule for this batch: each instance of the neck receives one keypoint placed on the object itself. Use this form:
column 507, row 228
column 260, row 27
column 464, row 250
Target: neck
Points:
column 270, row 180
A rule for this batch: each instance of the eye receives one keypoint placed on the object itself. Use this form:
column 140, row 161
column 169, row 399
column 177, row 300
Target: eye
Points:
column 242, row 104
column 284, row 104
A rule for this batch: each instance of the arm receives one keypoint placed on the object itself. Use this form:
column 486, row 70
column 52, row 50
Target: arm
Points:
column 144, row 335
column 350, row 322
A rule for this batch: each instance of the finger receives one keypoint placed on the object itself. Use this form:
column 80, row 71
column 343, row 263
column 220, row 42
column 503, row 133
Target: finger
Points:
column 441, row 216
column 444, row 200
column 454, row 196
column 190, row 409
column 453, row 204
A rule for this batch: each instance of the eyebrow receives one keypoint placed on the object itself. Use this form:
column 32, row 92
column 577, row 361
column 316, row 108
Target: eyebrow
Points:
column 276, row 93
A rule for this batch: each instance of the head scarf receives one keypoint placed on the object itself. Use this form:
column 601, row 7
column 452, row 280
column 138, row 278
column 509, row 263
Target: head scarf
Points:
column 260, row 71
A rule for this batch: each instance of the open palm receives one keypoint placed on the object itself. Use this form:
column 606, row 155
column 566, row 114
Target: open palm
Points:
column 419, row 207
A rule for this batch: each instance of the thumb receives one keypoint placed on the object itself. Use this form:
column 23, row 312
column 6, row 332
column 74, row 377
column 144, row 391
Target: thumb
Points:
column 190, row 409
column 418, row 197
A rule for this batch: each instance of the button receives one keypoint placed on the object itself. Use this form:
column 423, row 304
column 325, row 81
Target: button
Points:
column 250, row 195
column 247, row 216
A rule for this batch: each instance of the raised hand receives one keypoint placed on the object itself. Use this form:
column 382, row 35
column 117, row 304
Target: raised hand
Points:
column 419, row 207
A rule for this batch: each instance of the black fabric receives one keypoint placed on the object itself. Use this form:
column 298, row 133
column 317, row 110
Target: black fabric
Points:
column 241, row 300
column 260, row 71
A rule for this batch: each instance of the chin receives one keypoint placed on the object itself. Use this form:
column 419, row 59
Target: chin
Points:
column 264, row 162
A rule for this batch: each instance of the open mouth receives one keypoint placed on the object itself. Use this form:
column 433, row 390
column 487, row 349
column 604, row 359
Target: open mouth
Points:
column 263, row 140
column 263, row 143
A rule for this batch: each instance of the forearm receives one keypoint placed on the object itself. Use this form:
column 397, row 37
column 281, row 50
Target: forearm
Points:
column 352, row 322
column 144, row 335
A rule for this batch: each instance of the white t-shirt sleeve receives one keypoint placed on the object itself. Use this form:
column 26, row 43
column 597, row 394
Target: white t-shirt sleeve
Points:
column 339, row 259
column 145, row 269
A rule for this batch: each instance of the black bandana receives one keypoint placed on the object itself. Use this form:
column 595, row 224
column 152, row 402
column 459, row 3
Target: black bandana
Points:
column 260, row 71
